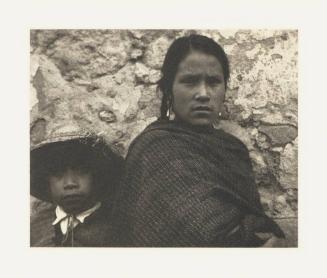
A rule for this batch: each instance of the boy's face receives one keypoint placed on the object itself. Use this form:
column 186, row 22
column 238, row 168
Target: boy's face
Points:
column 72, row 189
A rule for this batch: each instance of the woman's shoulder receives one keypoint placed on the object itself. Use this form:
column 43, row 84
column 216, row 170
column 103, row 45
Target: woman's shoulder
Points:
column 164, row 131
column 152, row 133
column 230, row 137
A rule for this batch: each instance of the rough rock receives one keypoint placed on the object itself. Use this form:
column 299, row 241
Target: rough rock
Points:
column 154, row 54
column 288, row 166
column 279, row 135
column 278, row 117
column 142, row 73
column 136, row 53
column 266, row 200
column 237, row 131
column 49, row 83
column 125, row 75
column 282, row 208
column 38, row 131
column 107, row 116
column 262, row 141
column 116, row 50
column 259, row 167
column 289, row 226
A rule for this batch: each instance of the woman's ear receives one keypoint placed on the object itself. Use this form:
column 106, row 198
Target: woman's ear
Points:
column 171, row 114
column 170, row 104
column 224, row 113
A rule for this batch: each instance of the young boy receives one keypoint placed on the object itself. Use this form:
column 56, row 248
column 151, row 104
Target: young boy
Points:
column 77, row 173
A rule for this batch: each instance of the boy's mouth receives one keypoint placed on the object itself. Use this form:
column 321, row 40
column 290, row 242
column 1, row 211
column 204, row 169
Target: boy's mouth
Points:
column 73, row 203
column 73, row 197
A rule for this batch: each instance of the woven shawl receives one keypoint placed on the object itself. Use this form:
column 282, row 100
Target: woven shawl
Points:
column 188, row 186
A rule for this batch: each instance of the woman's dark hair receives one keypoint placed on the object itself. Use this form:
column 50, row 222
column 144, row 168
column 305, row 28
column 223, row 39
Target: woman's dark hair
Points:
column 177, row 51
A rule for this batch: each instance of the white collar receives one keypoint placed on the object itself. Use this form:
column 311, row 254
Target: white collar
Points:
column 62, row 216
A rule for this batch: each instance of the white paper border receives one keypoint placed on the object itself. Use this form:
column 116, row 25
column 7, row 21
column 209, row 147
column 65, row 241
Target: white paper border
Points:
column 19, row 260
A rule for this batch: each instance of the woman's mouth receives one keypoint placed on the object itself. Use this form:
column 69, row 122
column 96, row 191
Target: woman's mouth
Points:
column 202, row 110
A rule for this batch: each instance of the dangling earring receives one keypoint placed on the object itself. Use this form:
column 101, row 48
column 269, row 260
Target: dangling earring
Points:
column 171, row 114
column 219, row 114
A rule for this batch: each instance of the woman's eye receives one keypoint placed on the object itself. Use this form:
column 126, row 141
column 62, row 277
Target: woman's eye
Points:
column 189, row 80
column 214, row 81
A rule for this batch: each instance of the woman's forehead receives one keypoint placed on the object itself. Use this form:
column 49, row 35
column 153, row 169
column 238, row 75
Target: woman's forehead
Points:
column 198, row 63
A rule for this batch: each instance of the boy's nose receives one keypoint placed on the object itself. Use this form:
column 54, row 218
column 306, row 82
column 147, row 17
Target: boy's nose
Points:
column 70, row 180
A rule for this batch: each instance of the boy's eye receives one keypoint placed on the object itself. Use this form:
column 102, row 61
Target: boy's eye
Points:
column 82, row 169
column 56, row 172
column 60, row 171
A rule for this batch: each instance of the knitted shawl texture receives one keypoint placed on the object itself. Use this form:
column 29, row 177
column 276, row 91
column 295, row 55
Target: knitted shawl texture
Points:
column 186, row 186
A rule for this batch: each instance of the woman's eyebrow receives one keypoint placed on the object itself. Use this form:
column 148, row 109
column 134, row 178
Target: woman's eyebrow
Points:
column 214, row 76
column 197, row 75
column 190, row 75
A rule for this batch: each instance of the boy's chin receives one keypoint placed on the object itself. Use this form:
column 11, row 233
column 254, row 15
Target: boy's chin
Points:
column 75, row 206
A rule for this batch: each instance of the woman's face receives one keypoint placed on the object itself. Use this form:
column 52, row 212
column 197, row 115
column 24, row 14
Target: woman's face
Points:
column 198, row 89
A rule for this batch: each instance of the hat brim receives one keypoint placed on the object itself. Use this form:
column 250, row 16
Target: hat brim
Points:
column 110, row 165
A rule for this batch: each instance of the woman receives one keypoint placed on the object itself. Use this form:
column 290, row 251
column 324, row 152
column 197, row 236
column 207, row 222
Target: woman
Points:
column 186, row 183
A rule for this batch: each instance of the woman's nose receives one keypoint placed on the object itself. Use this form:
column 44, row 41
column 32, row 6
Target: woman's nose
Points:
column 202, row 93
column 70, row 180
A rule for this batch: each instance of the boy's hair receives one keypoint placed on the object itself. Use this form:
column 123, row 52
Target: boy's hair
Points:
column 55, row 158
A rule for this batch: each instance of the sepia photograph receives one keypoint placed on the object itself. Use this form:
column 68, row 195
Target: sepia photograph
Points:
column 164, row 138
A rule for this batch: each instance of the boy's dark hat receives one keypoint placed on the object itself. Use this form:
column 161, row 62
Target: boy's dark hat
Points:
column 111, row 162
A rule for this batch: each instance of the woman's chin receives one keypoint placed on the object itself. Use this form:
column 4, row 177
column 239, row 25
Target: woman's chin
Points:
column 197, row 119
column 200, row 121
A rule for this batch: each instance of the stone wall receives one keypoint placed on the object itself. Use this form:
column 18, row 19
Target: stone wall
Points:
column 106, row 79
